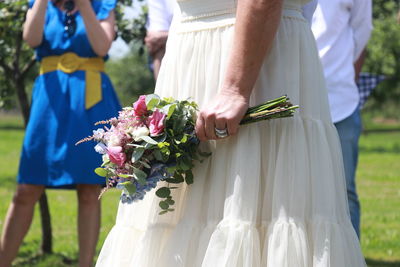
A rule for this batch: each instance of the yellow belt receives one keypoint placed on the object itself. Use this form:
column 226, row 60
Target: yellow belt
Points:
column 71, row 62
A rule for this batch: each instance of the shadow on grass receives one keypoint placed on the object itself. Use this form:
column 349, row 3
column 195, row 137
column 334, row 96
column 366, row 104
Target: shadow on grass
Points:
column 381, row 149
column 381, row 263
column 381, row 130
column 12, row 127
column 39, row 259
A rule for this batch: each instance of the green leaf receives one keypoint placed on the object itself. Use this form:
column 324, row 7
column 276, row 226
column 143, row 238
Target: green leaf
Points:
column 173, row 181
column 125, row 176
column 140, row 176
column 145, row 164
column 105, row 163
column 163, row 192
column 152, row 101
column 101, row 172
column 170, row 201
column 179, row 124
column 137, row 154
column 204, row 154
column 171, row 169
column 171, row 110
column 164, row 205
column 149, row 140
column 184, row 138
column 179, row 177
column 130, row 187
column 189, row 177
column 157, row 154
column 184, row 164
column 163, row 212
column 160, row 138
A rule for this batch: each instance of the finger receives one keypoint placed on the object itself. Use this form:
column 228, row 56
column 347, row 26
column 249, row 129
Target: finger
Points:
column 200, row 128
column 209, row 126
column 221, row 125
column 232, row 126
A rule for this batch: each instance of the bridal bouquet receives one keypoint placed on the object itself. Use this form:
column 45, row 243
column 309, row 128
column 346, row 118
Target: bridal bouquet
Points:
column 154, row 141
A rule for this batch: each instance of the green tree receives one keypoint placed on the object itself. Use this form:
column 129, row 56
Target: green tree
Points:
column 384, row 54
column 17, row 63
column 131, row 76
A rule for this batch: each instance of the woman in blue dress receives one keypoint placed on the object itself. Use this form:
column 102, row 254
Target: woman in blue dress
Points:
column 72, row 92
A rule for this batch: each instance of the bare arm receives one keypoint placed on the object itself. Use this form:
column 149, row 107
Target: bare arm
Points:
column 34, row 23
column 100, row 33
column 257, row 22
column 155, row 43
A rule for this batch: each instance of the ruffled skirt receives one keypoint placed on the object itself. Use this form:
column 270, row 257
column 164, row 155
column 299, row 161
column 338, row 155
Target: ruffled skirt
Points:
column 274, row 194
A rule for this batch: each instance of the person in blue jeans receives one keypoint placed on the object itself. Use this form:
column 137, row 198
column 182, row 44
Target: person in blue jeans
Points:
column 342, row 29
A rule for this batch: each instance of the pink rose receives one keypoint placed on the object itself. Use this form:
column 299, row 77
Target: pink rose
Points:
column 156, row 123
column 140, row 107
column 116, row 155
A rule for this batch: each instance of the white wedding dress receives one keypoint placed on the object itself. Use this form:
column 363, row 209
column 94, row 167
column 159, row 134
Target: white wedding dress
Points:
column 273, row 195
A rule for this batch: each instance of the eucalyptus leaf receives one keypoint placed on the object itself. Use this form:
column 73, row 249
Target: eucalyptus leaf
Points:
column 163, row 192
column 160, row 138
column 157, row 154
column 170, row 201
column 145, row 164
column 137, row 154
column 204, row 154
column 164, row 205
column 179, row 177
column 173, row 181
column 149, row 140
column 131, row 188
column 140, row 176
column 189, row 177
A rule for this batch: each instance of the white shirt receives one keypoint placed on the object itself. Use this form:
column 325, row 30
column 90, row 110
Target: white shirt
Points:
column 309, row 9
column 342, row 29
column 160, row 14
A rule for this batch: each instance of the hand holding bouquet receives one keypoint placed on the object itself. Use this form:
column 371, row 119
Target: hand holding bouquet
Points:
column 154, row 140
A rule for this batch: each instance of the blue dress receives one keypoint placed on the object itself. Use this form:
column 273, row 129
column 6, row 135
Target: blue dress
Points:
column 58, row 116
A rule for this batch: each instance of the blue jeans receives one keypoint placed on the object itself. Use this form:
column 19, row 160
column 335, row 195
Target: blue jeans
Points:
column 349, row 131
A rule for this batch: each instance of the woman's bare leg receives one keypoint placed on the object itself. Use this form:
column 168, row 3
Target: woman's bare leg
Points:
column 88, row 222
column 18, row 220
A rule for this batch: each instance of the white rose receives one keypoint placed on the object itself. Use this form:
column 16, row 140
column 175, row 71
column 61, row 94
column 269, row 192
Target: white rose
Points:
column 138, row 132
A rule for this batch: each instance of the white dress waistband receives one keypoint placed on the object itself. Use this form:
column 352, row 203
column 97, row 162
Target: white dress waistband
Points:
column 225, row 17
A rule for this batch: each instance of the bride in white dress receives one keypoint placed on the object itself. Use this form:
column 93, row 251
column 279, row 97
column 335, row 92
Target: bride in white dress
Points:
column 274, row 193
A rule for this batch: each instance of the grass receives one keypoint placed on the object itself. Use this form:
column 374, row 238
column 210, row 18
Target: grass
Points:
column 63, row 206
column 378, row 180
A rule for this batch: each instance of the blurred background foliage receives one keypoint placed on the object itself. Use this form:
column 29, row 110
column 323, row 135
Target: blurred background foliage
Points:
column 384, row 58
column 18, row 68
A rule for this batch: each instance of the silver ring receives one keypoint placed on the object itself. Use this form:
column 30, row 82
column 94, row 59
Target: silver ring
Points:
column 221, row 133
